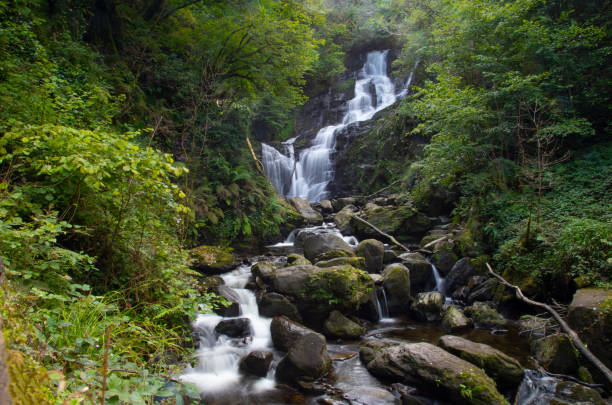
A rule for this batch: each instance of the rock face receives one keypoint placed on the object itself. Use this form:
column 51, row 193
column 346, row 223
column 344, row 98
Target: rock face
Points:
column 505, row 370
column 304, row 208
column 307, row 359
column 433, row 369
column 317, row 244
column 236, row 328
column 373, row 252
column 454, row 320
column 556, row 353
column 590, row 315
column 459, row 274
column 339, row 326
column 256, row 363
column 396, row 282
column 428, row 306
column 420, row 271
column 213, row 259
column 286, row 332
column 485, row 317
column 273, row 304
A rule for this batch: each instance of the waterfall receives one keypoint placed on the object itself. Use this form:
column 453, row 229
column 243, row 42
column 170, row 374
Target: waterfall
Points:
column 308, row 175
column 439, row 280
column 381, row 304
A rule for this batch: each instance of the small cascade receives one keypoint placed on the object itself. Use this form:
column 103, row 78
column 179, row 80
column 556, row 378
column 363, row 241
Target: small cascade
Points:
column 440, row 287
column 327, row 227
column 536, row 389
column 308, row 175
column 381, row 304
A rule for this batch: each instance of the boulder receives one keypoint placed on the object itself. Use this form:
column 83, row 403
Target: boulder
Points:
column 371, row 348
column 339, row 326
column 434, row 370
column 307, row 359
column 272, row 304
column 304, row 208
column 454, row 320
column 403, row 222
column 213, row 259
column 372, row 251
column 233, row 309
column 556, row 353
column 286, row 332
column 293, row 279
column 389, row 256
column 295, row 259
column 334, row 254
column 257, row 363
column 459, row 274
column 420, row 271
column 340, row 203
column 505, row 370
column 317, row 244
column 264, row 270
column 461, row 293
column 485, row 317
column 235, row 327
column 443, row 258
column 428, row 306
column 590, row 315
column 369, row 396
column 326, row 206
column 484, row 291
column 301, row 236
column 537, row 389
column 342, row 219
column 396, row 282
column 358, row 262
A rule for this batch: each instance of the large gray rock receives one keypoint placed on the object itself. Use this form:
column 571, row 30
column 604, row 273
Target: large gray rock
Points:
column 396, row 282
column 307, row 359
column 370, row 396
column 505, row 370
column 454, row 320
column 428, row 306
column 485, row 317
column 433, row 369
column 372, row 251
column 339, row 326
column 236, row 327
column 233, row 309
column 317, row 244
column 326, row 206
column 556, row 353
column 272, row 304
column 295, row 259
column 257, row 363
column 292, row 280
column 420, row 271
column 264, row 270
column 443, row 258
column 459, row 274
column 484, row 291
column 342, row 219
column 286, row 332
column 304, row 208
column 358, row 262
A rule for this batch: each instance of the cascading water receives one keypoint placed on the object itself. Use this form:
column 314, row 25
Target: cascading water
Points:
column 308, row 175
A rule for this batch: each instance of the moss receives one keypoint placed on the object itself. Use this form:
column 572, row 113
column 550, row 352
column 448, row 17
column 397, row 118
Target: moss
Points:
column 213, row 258
column 332, row 254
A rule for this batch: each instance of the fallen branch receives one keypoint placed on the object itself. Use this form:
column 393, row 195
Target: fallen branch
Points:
column 258, row 163
column 391, row 238
column 573, row 335
column 379, row 191
column 435, row 241
column 569, row 378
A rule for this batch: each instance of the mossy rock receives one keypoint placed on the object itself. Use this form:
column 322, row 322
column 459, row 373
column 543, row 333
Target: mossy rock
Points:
column 485, row 317
column 294, row 259
column 358, row 262
column 556, row 353
column 213, row 259
column 339, row 326
column 403, row 222
column 333, row 254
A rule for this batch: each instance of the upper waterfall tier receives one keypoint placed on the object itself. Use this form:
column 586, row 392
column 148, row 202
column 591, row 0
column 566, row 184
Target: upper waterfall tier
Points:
column 308, row 174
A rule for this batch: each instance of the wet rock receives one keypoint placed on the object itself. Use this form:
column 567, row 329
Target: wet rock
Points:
column 454, row 320
column 236, row 328
column 556, row 353
column 234, row 302
column 256, row 363
column 396, row 282
column 333, row 254
column 339, row 326
column 273, row 304
column 301, row 236
column 485, row 317
column 317, row 244
column 358, row 262
column 340, row 203
column 304, row 208
column 213, row 259
column 370, row 396
column 342, row 219
column 286, row 332
column 264, row 270
column 406, row 394
column 389, row 256
column 484, row 291
column 295, row 259
column 293, row 279
column 428, row 306
column 459, row 274
column 433, row 369
column 371, row 348
column 420, row 271
column 307, row 359
column 208, row 284
column 537, row 389
column 372, row 251
column 590, row 315
column 535, row 327
column 505, row 370
column 326, row 206
column 444, row 259
column 461, row 293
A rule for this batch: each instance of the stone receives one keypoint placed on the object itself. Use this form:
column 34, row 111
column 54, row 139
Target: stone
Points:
column 295, row 259
column 459, row 274
column 257, row 363
column 264, row 270
column 556, row 353
column 326, row 206
column 444, row 259
column 334, row 254
column 209, row 284
column 428, row 306
column 389, row 256
column 461, row 293
column 340, row 203
column 433, row 369
column 304, row 208
column 590, row 315
column 301, row 236
column 396, row 282
column 236, row 327
column 272, row 304
column 505, row 370
column 339, row 326
column 485, row 317
column 342, row 219
column 537, row 389
column 420, row 271
column 213, row 259
column 484, row 291
column 317, row 244
column 358, row 262
column 372, row 251
column 307, row 359
column 454, row 320
column 371, row 348
column 285, row 332
column 369, row 396
column 233, row 309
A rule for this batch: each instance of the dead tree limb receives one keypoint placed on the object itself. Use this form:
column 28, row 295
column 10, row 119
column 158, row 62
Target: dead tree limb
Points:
column 379, row 191
column 258, row 163
column 573, row 335
column 391, row 238
column 435, row 241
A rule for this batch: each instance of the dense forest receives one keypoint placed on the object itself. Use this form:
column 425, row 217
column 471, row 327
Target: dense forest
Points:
column 130, row 151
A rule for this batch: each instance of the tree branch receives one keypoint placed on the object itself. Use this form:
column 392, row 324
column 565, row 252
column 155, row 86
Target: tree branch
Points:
column 391, row 238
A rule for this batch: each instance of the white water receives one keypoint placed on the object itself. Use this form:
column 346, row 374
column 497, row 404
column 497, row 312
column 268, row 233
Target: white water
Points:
column 219, row 356
column 439, row 280
column 326, row 227
column 308, row 175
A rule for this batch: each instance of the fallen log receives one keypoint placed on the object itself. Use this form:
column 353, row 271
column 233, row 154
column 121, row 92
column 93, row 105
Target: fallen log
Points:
column 391, row 238
column 607, row 373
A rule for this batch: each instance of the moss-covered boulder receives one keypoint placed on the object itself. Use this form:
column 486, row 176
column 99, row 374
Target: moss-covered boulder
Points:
column 358, row 262
column 420, row 271
column 339, row 326
column 556, row 353
column 444, row 258
column 307, row 360
column 317, row 244
column 404, row 222
column 485, row 317
column 505, row 370
column 213, row 259
column 342, row 219
column 428, row 306
column 273, row 304
column 294, row 259
column 396, row 282
column 372, row 251
column 303, row 207
column 264, row 270
column 333, row 254
column 590, row 314
column 454, row 320
column 435, row 370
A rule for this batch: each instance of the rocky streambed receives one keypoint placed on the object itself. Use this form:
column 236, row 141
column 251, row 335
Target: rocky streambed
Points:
column 328, row 319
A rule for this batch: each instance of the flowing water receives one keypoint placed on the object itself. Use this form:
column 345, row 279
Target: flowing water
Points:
column 308, row 174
